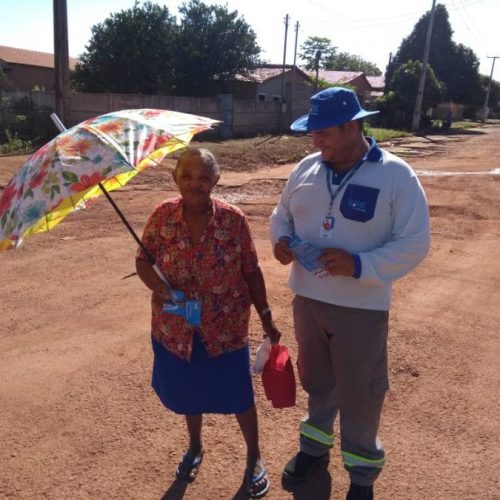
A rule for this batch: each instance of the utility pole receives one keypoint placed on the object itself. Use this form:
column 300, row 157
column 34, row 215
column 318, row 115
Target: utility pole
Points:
column 284, row 61
column 61, row 59
column 292, row 94
column 316, row 63
column 423, row 72
column 296, row 40
column 287, row 17
column 485, row 110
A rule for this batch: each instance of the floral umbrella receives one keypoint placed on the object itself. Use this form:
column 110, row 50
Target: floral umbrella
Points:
column 87, row 160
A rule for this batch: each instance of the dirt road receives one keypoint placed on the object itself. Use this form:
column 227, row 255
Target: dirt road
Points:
column 78, row 419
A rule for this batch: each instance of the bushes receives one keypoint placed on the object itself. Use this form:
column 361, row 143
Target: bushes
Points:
column 31, row 126
column 397, row 105
column 14, row 145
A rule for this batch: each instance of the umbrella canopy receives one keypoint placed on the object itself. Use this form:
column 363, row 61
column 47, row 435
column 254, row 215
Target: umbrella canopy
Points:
column 97, row 155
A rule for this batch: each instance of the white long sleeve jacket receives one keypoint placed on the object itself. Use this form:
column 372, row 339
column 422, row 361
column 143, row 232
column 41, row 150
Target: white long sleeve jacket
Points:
column 380, row 215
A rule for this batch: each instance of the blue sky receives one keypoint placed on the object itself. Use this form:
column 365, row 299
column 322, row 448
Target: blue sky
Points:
column 370, row 29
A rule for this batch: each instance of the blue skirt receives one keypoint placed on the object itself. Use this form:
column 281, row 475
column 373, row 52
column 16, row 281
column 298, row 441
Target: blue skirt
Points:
column 203, row 385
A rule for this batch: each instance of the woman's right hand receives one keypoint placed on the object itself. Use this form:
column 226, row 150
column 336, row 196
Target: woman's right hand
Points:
column 162, row 293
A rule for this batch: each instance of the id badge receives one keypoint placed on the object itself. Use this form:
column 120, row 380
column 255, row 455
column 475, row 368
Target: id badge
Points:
column 327, row 227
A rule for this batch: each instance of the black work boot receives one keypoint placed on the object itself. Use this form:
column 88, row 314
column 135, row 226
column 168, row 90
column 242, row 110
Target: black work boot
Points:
column 358, row 492
column 301, row 466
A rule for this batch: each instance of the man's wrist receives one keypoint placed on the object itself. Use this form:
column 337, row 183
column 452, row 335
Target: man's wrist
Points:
column 357, row 266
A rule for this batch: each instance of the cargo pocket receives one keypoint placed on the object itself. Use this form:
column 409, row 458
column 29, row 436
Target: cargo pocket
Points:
column 359, row 202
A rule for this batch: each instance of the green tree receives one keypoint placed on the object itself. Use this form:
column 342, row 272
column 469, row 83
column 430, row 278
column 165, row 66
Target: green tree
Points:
column 398, row 104
column 463, row 79
column 132, row 51
column 313, row 46
column 213, row 45
column 343, row 61
column 455, row 65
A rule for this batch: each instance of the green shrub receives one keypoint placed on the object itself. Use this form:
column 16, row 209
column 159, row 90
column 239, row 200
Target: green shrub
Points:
column 31, row 124
column 14, row 144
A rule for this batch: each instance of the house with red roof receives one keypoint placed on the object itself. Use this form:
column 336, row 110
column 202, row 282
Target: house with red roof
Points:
column 29, row 69
column 276, row 83
column 355, row 79
column 265, row 82
column 377, row 84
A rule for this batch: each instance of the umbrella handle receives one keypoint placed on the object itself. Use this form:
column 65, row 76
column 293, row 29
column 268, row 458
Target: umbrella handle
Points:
column 61, row 127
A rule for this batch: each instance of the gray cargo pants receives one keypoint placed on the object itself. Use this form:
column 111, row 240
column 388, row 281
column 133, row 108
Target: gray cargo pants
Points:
column 342, row 365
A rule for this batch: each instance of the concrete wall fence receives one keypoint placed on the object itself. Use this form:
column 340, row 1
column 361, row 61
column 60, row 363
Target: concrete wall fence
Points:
column 241, row 118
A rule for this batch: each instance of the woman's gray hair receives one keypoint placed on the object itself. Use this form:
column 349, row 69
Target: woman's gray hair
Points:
column 206, row 156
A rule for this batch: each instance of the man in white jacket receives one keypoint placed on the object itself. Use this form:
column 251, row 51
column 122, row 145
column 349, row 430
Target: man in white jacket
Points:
column 351, row 219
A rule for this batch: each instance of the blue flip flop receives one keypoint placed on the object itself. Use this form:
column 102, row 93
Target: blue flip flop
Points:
column 257, row 481
column 188, row 467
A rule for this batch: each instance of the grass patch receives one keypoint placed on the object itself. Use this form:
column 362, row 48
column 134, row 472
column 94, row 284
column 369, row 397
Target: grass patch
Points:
column 464, row 124
column 385, row 134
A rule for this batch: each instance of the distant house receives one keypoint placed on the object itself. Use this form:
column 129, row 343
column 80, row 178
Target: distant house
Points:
column 28, row 69
column 266, row 83
column 356, row 79
column 377, row 84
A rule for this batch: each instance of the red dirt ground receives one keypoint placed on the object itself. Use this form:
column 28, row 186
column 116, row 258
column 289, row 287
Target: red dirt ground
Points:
column 78, row 419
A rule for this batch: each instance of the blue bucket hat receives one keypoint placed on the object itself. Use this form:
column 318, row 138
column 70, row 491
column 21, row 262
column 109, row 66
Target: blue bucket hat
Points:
column 329, row 108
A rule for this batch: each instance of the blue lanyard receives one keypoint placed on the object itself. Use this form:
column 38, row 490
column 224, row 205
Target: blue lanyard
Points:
column 334, row 194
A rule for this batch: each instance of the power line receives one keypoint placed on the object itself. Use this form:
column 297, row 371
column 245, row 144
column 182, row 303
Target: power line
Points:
column 466, row 24
column 324, row 6
column 376, row 21
column 348, row 25
column 461, row 17
column 466, row 12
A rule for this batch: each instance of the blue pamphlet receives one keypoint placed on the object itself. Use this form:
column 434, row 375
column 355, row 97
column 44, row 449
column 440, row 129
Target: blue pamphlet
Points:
column 193, row 312
column 190, row 310
column 308, row 256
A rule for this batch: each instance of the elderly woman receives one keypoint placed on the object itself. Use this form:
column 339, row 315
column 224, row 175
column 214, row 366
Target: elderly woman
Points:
column 204, row 248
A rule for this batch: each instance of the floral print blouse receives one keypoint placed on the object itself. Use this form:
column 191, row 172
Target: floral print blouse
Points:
column 210, row 271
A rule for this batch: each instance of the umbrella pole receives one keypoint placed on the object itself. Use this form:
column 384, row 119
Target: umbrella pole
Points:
column 127, row 224
column 60, row 125
column 134, row 235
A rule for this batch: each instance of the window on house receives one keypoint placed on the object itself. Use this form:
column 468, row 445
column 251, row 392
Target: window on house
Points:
column 276, row 98
column 261, row 97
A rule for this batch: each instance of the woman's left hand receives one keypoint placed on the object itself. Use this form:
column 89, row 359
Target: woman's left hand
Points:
column 270, row 329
